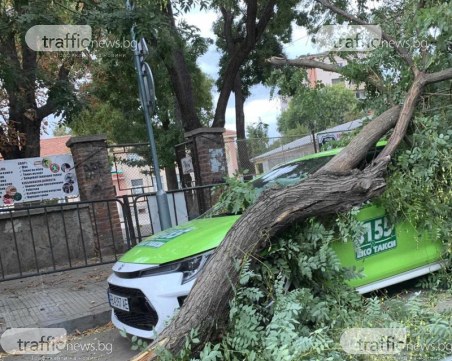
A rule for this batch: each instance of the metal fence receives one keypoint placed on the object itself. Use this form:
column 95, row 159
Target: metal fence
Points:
column 51, row 238
column 257, row 155
column 141, row 212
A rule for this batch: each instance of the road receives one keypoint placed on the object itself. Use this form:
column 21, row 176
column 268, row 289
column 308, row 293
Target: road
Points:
column 100, row 344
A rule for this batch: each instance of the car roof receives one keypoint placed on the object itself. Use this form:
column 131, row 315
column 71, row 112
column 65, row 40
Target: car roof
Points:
column 323, row 154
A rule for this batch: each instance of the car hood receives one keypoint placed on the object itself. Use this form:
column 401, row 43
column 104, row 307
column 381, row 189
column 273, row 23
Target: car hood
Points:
column 180, row 242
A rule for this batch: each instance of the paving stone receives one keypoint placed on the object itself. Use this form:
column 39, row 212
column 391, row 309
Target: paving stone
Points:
column 56, row 298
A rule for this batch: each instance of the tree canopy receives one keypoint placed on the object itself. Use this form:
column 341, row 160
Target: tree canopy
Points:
column 33, row 85
column 319, row 108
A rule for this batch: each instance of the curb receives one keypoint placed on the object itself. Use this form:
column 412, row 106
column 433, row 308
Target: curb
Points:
column 81, row 323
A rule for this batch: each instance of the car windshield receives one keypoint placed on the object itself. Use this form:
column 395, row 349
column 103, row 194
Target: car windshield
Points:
column 289, row 174
column 281, row 176
column 292, row 173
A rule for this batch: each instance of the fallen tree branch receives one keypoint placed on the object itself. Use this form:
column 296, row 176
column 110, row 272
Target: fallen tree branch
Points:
column 334, row 188
column 409, row 106
column 309, row 63
column 357, row 149
column 206, row 307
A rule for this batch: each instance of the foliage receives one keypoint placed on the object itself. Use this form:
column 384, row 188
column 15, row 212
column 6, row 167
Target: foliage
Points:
column 421, row 179
column 61, row 130
column 235, row 196
column 258, row 141
column 137, row 343
column 111, row 99
column 293, row 304
column 248, row 33
column 319, row 108
column 33, row 85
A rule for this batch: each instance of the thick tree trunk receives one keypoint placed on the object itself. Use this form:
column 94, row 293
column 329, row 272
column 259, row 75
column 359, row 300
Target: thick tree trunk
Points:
column 181, row 80
column 228, row 84
column 207, row 305
column 242, row 146
column 22, row 138
column 240, row 53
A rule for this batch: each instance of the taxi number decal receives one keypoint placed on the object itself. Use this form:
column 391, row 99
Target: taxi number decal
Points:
column 379, row 236
column 164, row 237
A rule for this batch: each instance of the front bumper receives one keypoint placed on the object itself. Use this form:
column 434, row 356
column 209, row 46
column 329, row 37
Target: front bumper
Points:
column 153, row 301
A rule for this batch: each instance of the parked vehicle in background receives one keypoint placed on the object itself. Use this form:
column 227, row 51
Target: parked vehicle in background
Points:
column 150, row 282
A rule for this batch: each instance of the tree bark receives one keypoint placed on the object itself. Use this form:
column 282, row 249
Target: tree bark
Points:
column 242, row 146
column 254, row 33
column 207, row 305
column 181, row 80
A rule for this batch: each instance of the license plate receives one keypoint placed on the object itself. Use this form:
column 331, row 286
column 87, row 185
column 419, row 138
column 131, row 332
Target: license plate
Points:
column 119, row 302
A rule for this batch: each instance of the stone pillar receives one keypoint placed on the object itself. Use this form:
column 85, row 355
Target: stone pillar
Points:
column 95, row 184
column 209, row 162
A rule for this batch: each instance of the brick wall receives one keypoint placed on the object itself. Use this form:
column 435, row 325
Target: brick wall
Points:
column 95, row 184
column 210, row 160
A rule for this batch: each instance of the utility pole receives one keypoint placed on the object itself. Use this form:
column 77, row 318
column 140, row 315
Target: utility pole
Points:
column 147, row 97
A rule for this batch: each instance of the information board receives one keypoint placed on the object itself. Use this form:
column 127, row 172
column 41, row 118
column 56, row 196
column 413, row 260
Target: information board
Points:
column 36, row 179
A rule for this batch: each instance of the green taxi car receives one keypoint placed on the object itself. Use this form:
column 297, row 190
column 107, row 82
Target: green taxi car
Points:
column 150, row 282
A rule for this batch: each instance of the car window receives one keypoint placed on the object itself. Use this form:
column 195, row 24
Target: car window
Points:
column 289, row 174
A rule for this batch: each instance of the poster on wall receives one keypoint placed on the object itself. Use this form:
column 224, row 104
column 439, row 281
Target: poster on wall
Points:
column 324, row 138
column 36, row 179
column 187, row 165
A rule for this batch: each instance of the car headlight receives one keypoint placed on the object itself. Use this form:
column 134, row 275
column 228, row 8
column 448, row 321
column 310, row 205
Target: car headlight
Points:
column 190, row 267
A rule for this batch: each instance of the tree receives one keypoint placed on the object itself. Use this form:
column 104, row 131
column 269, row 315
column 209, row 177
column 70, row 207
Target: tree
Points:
column 32, row 85
column 61, row 131
column 318, row 108
column 339, row 185
column 178, row 70
column 258, row 140
column 231, row 32
column 240, row 38
column 112, row 106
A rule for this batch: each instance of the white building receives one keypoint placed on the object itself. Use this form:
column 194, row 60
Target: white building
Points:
column 329, row 78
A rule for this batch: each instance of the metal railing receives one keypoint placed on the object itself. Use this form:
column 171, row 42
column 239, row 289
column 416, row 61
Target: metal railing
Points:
column 141, row 213
column 44, row 239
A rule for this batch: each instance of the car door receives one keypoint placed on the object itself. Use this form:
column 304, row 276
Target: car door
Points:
column 386, row 251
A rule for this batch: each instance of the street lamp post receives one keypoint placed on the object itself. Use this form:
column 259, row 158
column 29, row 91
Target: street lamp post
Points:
column 147, row 97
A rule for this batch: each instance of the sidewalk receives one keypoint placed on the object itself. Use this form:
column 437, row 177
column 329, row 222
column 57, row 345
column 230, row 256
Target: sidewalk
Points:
column 74, row 300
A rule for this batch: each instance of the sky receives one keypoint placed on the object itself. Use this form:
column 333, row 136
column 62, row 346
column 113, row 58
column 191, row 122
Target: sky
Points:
column 259, row 106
